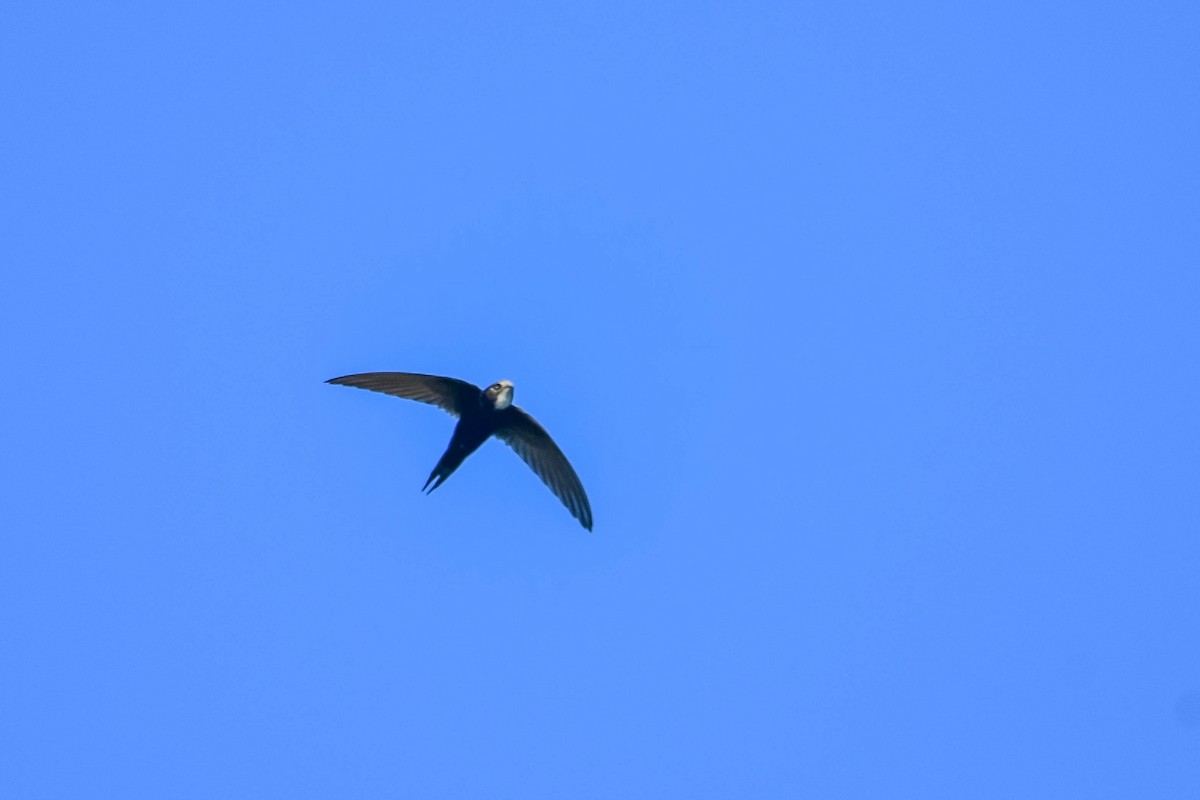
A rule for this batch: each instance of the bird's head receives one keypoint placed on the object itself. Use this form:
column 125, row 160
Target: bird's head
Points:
column 501, row 394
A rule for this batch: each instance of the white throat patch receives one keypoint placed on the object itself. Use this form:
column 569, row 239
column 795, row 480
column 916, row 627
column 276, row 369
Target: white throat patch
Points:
column 504, row 399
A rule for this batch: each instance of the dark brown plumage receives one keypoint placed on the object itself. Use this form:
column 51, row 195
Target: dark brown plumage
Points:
column 481, row 414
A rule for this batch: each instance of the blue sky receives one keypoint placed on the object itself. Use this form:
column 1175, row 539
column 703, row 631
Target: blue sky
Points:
column 871, row 330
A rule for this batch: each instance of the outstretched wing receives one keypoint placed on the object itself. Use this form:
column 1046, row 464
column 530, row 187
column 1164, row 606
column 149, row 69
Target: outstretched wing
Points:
column 449, row 394
column 535, row 447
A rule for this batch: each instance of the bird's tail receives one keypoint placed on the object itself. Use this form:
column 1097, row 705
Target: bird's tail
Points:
column 446, row 465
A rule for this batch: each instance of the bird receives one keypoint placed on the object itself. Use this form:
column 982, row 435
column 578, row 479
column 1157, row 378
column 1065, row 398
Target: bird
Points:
column 483, row 413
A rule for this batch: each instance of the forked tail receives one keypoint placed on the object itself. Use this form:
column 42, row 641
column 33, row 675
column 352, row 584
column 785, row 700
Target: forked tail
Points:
column 450, row 461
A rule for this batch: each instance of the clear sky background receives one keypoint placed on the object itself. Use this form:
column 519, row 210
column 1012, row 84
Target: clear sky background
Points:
column 872, row 330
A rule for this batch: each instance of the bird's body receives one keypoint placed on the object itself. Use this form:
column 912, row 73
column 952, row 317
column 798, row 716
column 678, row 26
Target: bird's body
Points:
column 476, row 423
column 481, row 415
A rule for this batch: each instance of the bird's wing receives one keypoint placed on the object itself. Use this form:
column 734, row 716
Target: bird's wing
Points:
column 449, row 394
column 535, row 447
